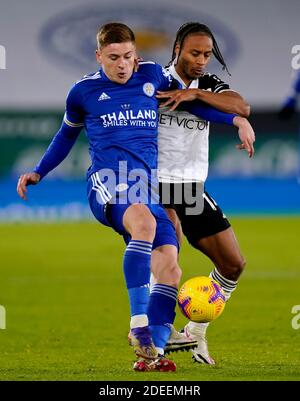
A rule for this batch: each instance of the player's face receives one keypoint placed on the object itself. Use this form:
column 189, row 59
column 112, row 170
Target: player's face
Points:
column 194, row 57
column 117, row 61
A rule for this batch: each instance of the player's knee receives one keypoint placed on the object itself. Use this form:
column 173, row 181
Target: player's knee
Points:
column 140, row 223
column 145, row 227
column 241, row 265
column 236, row 269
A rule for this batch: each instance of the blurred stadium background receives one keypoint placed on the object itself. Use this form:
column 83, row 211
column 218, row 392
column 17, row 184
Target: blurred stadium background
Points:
column 62, row 284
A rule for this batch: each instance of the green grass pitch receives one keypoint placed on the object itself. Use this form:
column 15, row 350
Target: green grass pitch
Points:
column 67, row 310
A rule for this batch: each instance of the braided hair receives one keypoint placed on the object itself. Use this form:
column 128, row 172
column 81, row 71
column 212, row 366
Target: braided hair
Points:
column 196, row 27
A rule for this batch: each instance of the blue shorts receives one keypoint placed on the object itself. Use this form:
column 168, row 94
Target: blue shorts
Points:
column 108, row 204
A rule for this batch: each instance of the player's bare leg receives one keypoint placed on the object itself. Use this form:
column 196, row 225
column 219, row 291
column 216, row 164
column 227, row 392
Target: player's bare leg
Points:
column 164, row 265
column 223, row 250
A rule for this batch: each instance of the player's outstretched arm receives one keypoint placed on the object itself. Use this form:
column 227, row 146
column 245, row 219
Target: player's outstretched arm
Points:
column 203, row 110
column 57, row 151
column 227, row 101
column 246, row 134
column 208, row 113
column 25, row 180
column 176, row 96
column 60, row 145
column 245, row 130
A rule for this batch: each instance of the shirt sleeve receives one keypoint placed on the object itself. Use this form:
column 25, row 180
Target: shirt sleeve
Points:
column 166, row 80
column 217, row 85
column 66, row 136
column 74, row 116
column 58, row 149
column 208, row 113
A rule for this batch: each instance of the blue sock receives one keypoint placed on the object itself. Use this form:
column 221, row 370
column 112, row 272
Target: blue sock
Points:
column 137, row 260
column 161, row 312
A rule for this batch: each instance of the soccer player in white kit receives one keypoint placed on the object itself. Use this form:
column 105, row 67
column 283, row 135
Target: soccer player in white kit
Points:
column 183, row 144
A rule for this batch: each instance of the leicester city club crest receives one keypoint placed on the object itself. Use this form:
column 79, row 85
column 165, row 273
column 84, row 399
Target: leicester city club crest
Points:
column 148, row 89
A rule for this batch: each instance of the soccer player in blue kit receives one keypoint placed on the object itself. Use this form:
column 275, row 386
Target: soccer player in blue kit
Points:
column 117, row 107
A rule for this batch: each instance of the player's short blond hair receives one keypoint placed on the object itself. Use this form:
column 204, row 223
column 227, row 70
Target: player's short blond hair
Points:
column 114, row 32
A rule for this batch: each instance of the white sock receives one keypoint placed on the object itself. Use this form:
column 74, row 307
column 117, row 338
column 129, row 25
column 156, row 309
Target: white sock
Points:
column 197, row 328
column 228, row 286
column 160, row 351
column 138, row 321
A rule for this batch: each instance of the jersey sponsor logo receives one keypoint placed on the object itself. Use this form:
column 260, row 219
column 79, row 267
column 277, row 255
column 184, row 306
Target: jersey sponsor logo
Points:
column 103, row 96
column 141, row 118
column 187, row 123
column 148, row 89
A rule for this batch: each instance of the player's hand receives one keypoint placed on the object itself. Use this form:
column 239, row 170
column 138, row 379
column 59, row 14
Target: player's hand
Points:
column 246, row 134
column 177, row 96
column 24, row 181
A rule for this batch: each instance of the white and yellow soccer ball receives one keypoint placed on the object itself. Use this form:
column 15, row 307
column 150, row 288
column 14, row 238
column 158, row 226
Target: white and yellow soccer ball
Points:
column 201, row 299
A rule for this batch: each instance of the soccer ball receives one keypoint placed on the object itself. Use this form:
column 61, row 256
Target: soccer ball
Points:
column 201, row 299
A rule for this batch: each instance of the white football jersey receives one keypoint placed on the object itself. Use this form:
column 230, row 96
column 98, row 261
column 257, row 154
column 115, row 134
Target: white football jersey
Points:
column 183, row 138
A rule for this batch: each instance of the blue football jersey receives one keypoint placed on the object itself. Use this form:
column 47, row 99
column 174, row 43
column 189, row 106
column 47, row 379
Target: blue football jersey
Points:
column 120, row 120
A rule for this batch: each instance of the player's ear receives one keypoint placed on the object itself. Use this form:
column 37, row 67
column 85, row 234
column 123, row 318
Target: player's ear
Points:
column 177, row 49
column 98, row 56
column 137, row 59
